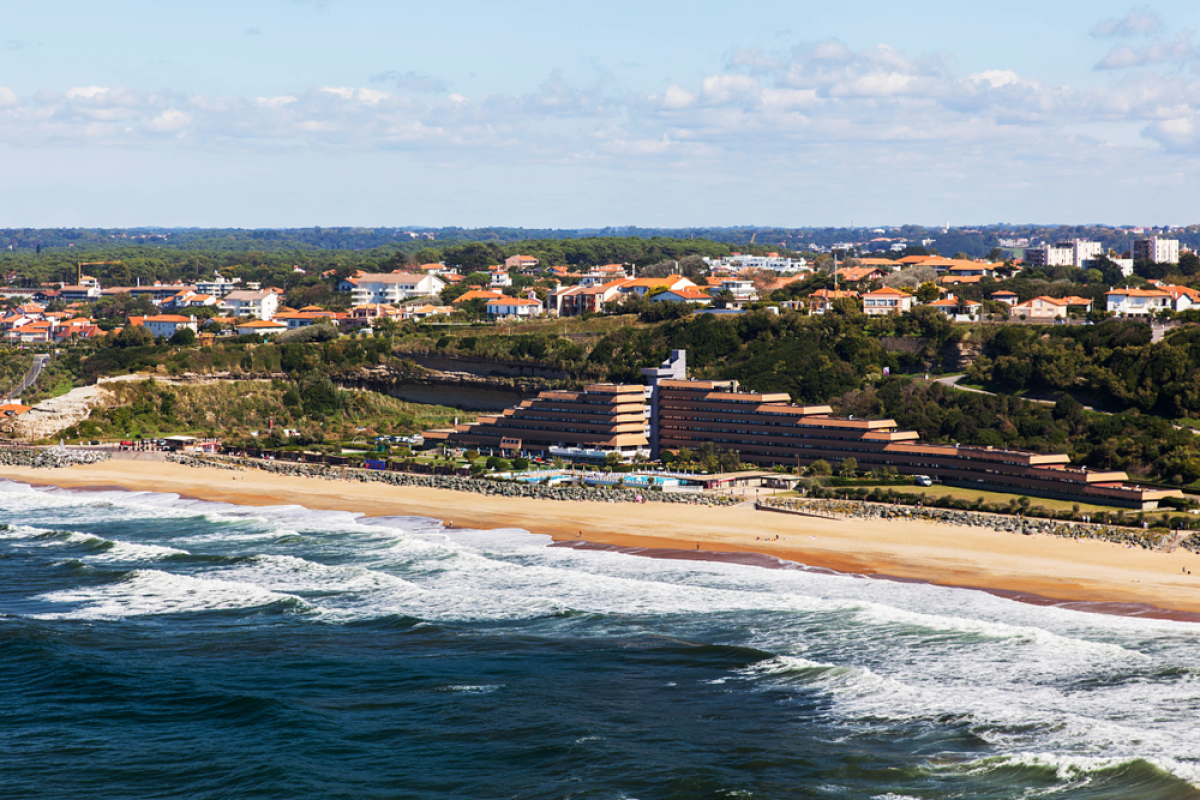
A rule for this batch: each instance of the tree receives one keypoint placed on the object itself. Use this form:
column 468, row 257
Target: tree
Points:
column 1189, row 263
column 613, row 459
column 183, row 337
column 494, row 462
column 820, row 468
column 471, row 455
column 928, row 292
column 849, row 468
column 520, row 462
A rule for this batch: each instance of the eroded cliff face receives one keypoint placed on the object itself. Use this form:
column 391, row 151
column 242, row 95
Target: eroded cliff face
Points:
column 49, row 417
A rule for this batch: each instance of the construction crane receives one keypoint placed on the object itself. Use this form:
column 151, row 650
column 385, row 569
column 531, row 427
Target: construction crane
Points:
column 82, row 264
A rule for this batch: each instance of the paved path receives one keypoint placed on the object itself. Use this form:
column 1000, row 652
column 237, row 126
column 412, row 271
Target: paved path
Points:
column 35, row 372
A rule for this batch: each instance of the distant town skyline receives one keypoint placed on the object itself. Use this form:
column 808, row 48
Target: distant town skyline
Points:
column 294, row 113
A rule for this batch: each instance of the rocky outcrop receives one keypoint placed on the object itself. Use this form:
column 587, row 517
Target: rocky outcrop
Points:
column 49, row 417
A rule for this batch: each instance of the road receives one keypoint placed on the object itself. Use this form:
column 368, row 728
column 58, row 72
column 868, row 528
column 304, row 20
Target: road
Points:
column 35, row 372
column 952, row 382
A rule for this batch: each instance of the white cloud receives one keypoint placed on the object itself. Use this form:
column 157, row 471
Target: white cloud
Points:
column 169, row 121
column 1175, row 51
column 676, row 97
column 8, row 97
column 371, row 97
column 87, row 91
column 1139, row 21
column 996, row 78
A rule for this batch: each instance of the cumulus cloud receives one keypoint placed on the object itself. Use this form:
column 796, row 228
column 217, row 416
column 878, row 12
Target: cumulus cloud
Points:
column 772, row 105
column 1139, row 21
column 411, row 81
column 1175, row 51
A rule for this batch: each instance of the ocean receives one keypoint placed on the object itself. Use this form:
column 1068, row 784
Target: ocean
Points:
column 158, row 647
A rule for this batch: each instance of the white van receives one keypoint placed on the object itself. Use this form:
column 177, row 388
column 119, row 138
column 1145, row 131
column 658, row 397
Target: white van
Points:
column 923, row 480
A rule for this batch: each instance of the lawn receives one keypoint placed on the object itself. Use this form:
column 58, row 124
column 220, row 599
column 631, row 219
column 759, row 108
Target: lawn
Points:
column 995, row 498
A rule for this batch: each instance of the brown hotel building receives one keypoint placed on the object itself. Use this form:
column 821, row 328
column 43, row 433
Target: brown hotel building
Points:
column 581, row 426
column 767, row 429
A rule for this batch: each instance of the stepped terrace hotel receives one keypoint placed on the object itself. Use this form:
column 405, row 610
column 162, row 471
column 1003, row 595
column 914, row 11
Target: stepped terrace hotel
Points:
column 674, row 412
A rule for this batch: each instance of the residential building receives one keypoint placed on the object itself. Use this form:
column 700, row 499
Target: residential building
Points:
column 167, row 325
column 859, row 274
column 640, row 286
column 1137, row 302
column 1063, row 254
column 1005, row 296
column 263, row 327
column 500, row 280
column 1160, row 251
column 514, row 308
column 395, row 287
column 688, row 294
column 366, row 315
column 84, row 293
column 218, row 286
column 478, row 294
column 571, row 301
column 580, row 426
column 520, row 262
column 261, row 305
column 887, row 301
column 1039, row 309
column 822, row 300
column 767, row 429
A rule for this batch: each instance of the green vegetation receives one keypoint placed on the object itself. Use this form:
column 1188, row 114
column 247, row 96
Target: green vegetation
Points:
column 318, row 411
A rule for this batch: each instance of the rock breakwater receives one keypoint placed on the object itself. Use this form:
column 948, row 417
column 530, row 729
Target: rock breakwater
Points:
column 854, row 509
column 497, row 488
column 49, row 457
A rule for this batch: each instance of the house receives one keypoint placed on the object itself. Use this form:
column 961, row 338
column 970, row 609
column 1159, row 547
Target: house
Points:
column 86, row 294
column 365, row 316
column 860, row 274
column 514, row 308
column 571, row 301
column 1182, row 297
column 1039, row 309
column 263, row 327
column 167, row 324
column 301, row 319
column 1084, row 303
column 395, row 287
column 423, row 312
column 218, row 286
column 478, row 294
column 13, row 410
column 1004, row 296
column 500, row 280
column 688, row 294
column 951, row 307
column 261, row 305
column 822, row 300
column 520, row 262
column 640, row 286
column 1137, row 302
column 887, row 301
column 741, row 289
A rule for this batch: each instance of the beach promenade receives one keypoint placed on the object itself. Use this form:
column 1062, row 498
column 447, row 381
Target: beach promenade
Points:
column 1119, row 578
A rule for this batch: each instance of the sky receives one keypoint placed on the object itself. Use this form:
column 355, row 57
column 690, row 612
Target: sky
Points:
column 296, row 113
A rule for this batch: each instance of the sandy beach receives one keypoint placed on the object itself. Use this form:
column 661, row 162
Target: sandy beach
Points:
column 1117, row 578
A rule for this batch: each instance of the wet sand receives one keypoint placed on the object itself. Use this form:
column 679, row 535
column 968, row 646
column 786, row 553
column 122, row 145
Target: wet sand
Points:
column 1103, row 576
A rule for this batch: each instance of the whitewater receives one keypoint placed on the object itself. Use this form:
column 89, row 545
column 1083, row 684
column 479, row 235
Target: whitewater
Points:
column 154, row 646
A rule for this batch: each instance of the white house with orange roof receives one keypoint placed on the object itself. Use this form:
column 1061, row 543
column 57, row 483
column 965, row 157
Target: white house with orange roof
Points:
column 264, row 327
column 571, row 301
column 887, row 301
column 640, row 286
column 514, row 308
column 688, row 294
column 167, row 324
column 1138, row 302
column 1005, row 296
column 394, row 288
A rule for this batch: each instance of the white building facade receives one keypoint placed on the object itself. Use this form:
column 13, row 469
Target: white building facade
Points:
column 1160, row 251
column 395, row 287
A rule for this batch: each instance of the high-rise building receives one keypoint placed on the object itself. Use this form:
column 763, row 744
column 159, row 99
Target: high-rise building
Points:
column 1063, row 254
column 1160, row 251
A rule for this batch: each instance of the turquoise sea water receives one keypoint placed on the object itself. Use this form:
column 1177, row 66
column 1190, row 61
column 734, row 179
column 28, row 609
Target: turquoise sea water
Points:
column 152, row 647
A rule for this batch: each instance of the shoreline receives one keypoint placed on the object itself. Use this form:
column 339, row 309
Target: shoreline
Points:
column 1086, row 575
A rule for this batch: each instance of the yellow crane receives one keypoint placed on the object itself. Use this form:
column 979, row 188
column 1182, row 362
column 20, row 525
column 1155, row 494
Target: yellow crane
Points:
column 82, row 264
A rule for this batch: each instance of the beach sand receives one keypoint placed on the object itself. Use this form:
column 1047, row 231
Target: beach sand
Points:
column 1033, row 568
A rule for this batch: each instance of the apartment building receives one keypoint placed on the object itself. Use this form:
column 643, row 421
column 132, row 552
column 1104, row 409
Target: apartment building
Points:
column 1160, row 251
column 243, row 303
column 766, row 428
column 582, row 426
column 1063, row 254
column 394, row 288
column 1138, row 302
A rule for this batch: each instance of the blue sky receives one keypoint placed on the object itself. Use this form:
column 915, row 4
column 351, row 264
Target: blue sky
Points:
column 340, row 112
